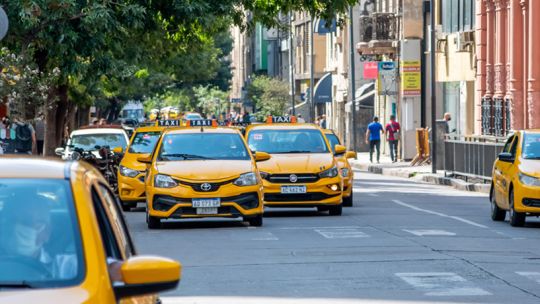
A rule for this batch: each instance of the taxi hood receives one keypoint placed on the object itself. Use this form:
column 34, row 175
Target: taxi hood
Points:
column 204, row 170
column 530, row 167
column 130, row 160
column 297, row 163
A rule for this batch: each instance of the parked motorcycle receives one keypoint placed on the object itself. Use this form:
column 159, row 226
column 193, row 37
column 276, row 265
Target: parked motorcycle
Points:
column 107, row 163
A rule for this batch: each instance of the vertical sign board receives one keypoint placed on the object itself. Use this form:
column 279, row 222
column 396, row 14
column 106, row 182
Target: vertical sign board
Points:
column 386, row 81
column 410, row 78
column 371, row 70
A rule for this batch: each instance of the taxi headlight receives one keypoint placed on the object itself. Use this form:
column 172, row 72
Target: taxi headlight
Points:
column 332, row 172
column 529, row 180
column 345, row 172
column 246, row 179
column 164, row 181
column 125, row 171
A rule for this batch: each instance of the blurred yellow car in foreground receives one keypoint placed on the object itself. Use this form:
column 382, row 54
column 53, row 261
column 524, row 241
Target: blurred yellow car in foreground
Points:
column 63, row 239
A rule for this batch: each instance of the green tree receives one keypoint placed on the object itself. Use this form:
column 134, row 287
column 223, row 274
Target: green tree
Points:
column 211, row 100
column 270, row 96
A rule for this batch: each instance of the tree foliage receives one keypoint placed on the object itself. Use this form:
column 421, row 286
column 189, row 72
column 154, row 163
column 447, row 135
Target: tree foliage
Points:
column 270, row 96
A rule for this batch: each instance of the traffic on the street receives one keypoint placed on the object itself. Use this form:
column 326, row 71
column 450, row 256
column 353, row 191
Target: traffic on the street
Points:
column 270, row 152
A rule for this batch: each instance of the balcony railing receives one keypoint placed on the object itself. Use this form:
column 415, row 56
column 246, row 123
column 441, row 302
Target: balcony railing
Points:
column 378, row 27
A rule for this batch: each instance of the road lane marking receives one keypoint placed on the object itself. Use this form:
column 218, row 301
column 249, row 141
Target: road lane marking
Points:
column 265, row 236
column 457, row 218
column 442, row 284
column 430, row 232
column 320, row 227
column 535, row 276
column 341, row 233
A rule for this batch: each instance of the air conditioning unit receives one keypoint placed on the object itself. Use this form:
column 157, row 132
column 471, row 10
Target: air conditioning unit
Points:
column 464, row 41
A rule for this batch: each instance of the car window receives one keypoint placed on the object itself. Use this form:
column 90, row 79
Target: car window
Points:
column 88, row 142
column 513, row 147
column 110, row 244
column 334, row 140
column 117, row 221
column 531, row 146
column 287, row 141
column 144, row 142
column 508, row 144
column 201, row 145
column 40, row 240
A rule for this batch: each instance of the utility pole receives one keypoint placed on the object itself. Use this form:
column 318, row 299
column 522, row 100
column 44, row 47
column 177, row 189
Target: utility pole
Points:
column 352, row 77
column 291, row 63
column 312, row 71
column 433, row 91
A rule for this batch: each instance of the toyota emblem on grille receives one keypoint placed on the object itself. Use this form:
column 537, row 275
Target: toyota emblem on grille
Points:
column 293, row 178
column 206, row 187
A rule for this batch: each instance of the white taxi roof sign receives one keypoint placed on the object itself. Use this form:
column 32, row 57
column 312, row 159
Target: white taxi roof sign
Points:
column 168, row 123
column 202, row 123
column 281, row 119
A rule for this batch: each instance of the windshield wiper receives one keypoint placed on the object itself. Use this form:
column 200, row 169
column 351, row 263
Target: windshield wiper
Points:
column 185, row 156
column 296, row 151
column 16, row 284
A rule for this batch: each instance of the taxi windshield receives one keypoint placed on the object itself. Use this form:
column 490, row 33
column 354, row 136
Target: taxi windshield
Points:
column 88, row 142
column 40, row 244
column 197, row 146
column 531, row 146
column 287, row 141
column 144, row 142
column 333, row 140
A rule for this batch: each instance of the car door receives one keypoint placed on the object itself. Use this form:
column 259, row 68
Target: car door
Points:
column 498, row 180
column 117, row 235
column 508, row 172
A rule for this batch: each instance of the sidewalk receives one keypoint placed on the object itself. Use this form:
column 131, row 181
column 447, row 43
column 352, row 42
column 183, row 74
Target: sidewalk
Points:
column 417, row 173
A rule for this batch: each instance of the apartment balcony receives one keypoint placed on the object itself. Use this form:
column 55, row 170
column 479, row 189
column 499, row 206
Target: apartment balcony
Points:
column 378, row 34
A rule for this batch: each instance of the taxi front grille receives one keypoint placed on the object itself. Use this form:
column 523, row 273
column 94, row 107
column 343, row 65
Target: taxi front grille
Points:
column 247, row 201
column 304, row 197
column 286, row 178
column 199, row 186
column 531, row 202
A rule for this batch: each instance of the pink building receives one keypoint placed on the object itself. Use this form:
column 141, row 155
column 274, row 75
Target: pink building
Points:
column 508, row 70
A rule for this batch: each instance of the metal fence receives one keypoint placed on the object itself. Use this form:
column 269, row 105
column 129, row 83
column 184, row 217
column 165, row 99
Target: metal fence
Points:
column 471, row 156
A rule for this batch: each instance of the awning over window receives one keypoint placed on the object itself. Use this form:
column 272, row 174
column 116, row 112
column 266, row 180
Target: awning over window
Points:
column 322, row 29
column 323, row 89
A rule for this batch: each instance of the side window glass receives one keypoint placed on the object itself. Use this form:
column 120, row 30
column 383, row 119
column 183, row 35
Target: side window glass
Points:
column 107, row 234
column 514, row 146
column 508, row 144
column 117, row 220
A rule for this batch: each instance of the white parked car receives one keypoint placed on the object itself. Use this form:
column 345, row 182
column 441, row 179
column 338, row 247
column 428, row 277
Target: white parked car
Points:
column 90, row 138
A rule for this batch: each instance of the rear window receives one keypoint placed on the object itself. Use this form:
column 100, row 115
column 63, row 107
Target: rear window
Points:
column 40, row 242
column 92, row 142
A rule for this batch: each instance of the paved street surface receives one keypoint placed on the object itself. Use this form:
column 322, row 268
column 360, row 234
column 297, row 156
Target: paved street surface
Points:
column 402, row 242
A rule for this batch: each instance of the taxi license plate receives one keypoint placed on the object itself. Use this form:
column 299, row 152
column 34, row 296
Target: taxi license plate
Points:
column 293, row 189
column 207, row 210
column 206, row 202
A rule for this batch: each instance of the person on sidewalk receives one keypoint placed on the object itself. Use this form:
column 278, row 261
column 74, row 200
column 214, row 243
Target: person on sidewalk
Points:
column 392, row 132
column 40, row 132
column 24, row 137
column 373, row 137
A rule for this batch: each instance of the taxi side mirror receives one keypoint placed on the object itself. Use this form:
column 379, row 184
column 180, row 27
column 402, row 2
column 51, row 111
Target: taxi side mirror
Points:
column 339, row 149
column 146, row 275
column 59, row 151
column 350, row 154
column 261, row 156
column 118, row 150
column 506, row 157
column 145, row 160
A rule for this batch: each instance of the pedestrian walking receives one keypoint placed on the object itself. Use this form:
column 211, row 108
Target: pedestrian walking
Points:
column 373, row 138
column 322, row 121
column 24, row 137
column 40, row 132
column 392, row 132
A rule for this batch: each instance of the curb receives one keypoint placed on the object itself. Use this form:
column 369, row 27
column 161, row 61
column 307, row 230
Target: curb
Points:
column 423, row 177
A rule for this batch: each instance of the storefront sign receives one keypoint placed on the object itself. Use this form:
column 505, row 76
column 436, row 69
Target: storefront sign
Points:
column 411, row 83
column 371, row 70
column 386, row 82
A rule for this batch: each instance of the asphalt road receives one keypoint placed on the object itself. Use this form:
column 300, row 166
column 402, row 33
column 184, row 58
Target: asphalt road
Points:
column 402, row 242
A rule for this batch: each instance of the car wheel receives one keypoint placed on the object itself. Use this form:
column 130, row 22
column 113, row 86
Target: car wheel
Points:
column 256, row 221
column 152, row 221
column 348, row 201
column 336, row 210
column 127, row 206
column 517, row 219
column 497, row 214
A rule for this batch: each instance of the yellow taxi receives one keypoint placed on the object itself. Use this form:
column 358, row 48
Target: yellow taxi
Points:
column 131, row 187
column 516, row 179
column 154, row 113
column 302, row 171
column 203, row 171
column 344, row 167
column 63, row 239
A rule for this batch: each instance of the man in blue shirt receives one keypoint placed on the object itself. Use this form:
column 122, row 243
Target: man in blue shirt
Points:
column 373, row 137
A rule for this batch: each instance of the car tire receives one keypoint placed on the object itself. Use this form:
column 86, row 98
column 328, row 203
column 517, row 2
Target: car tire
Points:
column 348, row 201
column 152, row 221
column 127, row 206
column 517, row 219
column 497, row 214
column 336, row 210
column 256, row 221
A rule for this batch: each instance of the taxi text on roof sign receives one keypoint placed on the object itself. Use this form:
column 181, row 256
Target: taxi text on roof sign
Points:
column 201, row 123
column 168, row 123
column 281, row 119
